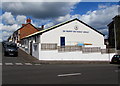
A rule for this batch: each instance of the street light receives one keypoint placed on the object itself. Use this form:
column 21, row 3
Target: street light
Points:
column 115, row 39
column 107, row 43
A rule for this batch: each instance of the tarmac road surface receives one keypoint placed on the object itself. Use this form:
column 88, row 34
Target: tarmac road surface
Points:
column 20, row 70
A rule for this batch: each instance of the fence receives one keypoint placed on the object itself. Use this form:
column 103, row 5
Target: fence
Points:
column 104, row 51
column 53, row 46
column 48, row 46
column 91, row 49
column 69, row 48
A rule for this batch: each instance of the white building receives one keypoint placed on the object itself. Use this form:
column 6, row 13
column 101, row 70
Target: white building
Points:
column 71, row 40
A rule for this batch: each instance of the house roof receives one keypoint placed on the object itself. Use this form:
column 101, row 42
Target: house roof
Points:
column 58, row 25
column 26, row 25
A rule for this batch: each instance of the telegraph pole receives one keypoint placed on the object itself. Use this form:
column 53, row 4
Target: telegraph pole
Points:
column 115, row 39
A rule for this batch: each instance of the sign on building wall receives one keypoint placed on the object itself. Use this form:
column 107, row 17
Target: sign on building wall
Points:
column 74, row 31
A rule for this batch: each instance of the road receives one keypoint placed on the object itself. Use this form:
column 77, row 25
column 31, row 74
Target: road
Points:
column 18, row 70
column 50, row 74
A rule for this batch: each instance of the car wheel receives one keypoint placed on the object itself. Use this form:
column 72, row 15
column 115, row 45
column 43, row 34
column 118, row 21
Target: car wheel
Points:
column 16, row 54
column 114, row 61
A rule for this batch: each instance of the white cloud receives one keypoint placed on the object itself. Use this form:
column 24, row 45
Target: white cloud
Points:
column 67, row 17
column 10, row 24
column 9, row 27
column 63, row 18
column 7, row 30
column 49, row 25
column 100, row 18
column 21, row 19
column 60, row 20
column 8, row 18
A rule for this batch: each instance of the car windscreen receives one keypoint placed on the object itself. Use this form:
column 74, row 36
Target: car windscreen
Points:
column 11, row 46
column 117, row 56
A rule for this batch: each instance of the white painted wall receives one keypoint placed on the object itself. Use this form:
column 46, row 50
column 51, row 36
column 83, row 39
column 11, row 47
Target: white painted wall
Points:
column 93, row 37
column 79, row 56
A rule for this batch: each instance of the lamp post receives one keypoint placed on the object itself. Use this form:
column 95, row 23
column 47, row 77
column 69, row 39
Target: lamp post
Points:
column 107, row 43
column 115, row 38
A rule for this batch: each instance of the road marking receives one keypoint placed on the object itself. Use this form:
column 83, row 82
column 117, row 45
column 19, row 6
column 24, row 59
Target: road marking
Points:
column 72, row 74
column 8, row 63
column 0, row 64
column 28, row 64
column 18, row 63
column 37, row 64
column 117, row 70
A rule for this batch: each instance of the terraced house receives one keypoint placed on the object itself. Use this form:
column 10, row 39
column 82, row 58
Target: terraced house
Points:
column 25, row 30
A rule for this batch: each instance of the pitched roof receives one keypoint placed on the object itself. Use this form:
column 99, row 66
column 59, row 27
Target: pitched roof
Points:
column 29, row 24
column 26, row 25
column 58, row 25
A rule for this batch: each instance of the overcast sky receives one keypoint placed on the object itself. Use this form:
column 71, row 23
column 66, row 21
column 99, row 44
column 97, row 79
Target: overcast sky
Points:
column 95, row 14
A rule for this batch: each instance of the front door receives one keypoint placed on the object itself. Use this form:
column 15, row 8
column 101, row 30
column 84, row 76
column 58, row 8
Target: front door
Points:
column 62, row 41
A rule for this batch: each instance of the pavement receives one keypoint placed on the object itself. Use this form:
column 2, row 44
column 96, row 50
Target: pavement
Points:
column 23, row 70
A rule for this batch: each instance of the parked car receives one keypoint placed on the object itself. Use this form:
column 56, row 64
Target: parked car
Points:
column 4, row 43
column 115, row 59
column 10, row 49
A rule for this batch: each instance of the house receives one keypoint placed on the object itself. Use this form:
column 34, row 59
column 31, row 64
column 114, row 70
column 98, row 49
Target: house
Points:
column 114, row 33
column 70, row 40
column 25, row 30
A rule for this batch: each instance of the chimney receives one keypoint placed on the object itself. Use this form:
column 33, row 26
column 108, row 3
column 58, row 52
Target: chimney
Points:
column 23, row 24
column 28, row 20
column 42, row 27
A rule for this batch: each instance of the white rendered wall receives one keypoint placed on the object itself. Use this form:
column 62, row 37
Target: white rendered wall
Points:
column 74, row 56
column 71, row 38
